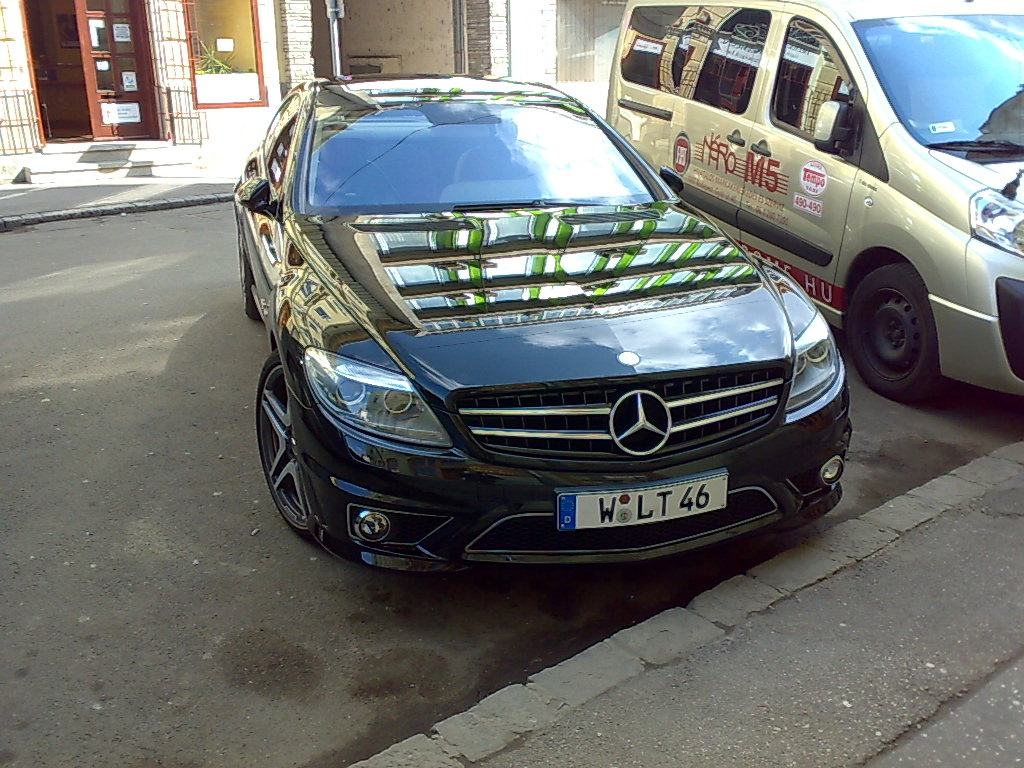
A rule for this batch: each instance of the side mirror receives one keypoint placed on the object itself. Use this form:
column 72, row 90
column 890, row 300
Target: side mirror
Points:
column 673, row 179
column 256, row 196
column 833, row 126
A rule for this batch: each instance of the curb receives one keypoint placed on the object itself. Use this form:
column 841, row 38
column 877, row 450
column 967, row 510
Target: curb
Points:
column 10, row 223
column 499, row 720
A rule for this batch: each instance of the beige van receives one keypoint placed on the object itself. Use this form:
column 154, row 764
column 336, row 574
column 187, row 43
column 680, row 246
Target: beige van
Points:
column 875, row 157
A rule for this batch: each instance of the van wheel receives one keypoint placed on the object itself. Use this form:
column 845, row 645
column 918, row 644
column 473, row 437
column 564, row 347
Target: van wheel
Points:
column 891, row 333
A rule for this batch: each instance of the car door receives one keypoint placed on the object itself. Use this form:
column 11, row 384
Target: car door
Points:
column 725, row 62
column 709, row 59
column 645, row 88
column 795, row 204
column 263, row 233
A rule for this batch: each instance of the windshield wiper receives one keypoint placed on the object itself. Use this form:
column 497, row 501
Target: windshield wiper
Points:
column 516, row 204
column 992, row 147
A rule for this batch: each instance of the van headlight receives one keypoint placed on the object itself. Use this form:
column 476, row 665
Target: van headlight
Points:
column 817, row 364
column 371, row 398
column 998, row 220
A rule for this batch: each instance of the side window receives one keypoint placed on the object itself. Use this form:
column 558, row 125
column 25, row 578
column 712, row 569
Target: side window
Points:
column 732, row 59
column 279, row 154
column 810, row 73
column 708, row 53
column 649, row 49
column 287, row 109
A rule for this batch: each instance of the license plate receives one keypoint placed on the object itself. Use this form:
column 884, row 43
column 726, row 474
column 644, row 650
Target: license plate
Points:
column 616, row 507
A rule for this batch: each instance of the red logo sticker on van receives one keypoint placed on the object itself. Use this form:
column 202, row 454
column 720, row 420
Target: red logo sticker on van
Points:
column 814, row 178
column 681, row 158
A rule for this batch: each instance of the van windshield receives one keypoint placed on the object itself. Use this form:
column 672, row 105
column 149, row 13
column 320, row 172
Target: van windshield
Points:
column 956, row 82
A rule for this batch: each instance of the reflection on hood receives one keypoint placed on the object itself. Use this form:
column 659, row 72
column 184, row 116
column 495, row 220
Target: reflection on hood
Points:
column 530, row 266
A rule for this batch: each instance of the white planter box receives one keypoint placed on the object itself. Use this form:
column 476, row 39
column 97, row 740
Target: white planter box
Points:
column 232, row 88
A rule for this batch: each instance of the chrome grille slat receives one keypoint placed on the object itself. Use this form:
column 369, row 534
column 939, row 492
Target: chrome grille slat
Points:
column 572, row 423
column 560, row 435
column 729, row 414
column 724, row 393
column 596, row 410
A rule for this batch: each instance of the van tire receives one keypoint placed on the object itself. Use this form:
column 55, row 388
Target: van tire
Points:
column 891, row 334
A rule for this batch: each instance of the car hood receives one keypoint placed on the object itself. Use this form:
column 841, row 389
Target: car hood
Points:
column 502, row 299
column 988, row 174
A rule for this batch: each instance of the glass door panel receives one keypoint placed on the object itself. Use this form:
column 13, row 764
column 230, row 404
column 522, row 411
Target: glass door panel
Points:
column 117, row 67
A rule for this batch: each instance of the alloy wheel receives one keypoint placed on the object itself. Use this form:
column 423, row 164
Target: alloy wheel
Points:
column 277, row 448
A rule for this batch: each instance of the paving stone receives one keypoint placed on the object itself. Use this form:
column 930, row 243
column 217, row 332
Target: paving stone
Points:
column 667, row 636
column 496, row 721
column 855, row 538
column 588, row 674
column 1011, row 452
column 988, row 470
column 799, row 567
column 903, row 513
column 415, row 752
column 948, row 491
column 732, row 601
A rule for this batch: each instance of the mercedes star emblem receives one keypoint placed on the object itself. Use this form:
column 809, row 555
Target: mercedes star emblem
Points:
column 640, row 422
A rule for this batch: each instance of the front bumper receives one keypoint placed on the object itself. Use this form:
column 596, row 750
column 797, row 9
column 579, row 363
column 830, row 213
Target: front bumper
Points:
column 981, row 343
column 448, row 508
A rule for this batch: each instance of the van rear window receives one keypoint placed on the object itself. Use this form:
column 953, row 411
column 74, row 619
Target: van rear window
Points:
column 709, row 54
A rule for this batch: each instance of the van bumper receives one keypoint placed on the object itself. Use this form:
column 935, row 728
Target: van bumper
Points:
column 983, row 343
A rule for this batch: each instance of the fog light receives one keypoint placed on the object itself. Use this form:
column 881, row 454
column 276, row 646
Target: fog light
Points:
column 372, row 525
column 832, row 470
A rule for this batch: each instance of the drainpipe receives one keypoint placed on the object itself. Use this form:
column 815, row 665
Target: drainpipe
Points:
column 459, row 24
column 335, row 13
column 508, row 35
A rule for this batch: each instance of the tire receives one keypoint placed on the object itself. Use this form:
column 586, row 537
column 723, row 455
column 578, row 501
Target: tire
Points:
column 891, row 334
column 249, row 305
column 281, row 467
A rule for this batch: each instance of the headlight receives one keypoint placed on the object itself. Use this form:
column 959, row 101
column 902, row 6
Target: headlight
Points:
column 998, row 220
column 371, row 398
column 817, row 364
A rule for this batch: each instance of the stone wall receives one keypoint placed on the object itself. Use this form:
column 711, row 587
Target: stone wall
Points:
column 295, row 34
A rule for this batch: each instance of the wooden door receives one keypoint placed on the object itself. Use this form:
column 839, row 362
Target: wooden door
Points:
column 118, row 68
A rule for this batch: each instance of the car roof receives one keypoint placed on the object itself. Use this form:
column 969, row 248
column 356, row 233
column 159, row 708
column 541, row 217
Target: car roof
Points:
column 863, row 10
column 386, row 88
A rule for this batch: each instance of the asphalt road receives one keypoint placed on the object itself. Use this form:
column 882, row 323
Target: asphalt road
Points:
column 155, row 613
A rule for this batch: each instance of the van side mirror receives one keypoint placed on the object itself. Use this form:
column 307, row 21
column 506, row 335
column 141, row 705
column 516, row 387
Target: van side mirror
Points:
column 255, row 195
column 673, row 179
column 833, row 127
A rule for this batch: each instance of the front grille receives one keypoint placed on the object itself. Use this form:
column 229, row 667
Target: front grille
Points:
column 573, row 423
column 537, row 533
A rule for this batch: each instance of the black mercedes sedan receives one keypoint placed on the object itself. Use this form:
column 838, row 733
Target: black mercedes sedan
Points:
column 497, row 335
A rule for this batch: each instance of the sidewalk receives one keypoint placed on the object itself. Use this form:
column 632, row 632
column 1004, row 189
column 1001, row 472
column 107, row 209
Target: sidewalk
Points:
column 890, row 640
column 24, row 205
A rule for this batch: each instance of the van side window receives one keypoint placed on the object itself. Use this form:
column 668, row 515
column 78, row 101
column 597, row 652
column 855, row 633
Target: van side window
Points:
column 650, row 46
column 810, row 73
column 708, row 53
column 731, row 60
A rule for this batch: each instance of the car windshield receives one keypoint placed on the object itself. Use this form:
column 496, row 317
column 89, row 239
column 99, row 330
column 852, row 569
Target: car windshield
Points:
column 953, row 79
column 434, row 155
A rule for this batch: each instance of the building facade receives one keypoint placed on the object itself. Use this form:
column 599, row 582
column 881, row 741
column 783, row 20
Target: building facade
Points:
column 207, row 74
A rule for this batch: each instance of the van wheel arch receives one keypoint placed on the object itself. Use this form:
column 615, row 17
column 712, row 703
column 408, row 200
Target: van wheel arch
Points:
column 867, row 262
column 890, row 329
